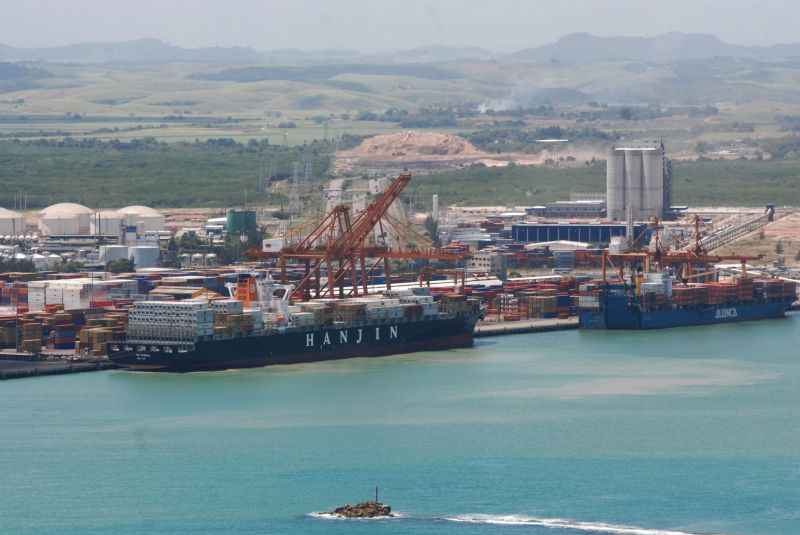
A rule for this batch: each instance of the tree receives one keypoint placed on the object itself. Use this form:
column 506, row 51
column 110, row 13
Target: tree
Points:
column 16, row 266
column 189, row 241
column 432, row 228
column 71, row 266
column 170, row 256
column 626, row 114
column 121, row 265
column 702, row 147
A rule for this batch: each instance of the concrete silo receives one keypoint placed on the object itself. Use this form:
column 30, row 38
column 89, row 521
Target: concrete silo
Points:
column 635, row 183
column 634, row 191
column 615, row 184
column 653, row 164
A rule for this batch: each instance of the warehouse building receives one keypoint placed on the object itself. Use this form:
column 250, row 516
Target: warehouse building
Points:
column 597, row 233
column 590, row 208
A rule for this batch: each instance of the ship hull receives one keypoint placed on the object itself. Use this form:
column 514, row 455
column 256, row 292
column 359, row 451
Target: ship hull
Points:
column 299, row 346
column 621, row 315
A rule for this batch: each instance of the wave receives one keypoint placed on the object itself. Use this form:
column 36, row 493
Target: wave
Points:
column 560, row 523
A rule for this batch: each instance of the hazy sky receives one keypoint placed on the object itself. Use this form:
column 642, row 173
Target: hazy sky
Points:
column 386, row 24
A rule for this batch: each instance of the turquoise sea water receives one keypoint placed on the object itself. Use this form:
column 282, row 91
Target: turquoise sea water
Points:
column 688, row 430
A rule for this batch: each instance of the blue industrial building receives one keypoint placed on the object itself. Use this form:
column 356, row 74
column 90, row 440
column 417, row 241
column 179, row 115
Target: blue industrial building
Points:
column 599, row 233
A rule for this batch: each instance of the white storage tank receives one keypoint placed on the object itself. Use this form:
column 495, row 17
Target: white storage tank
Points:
column 65, row 219
column 11, row 223
column 107, row 223
column 109, row 253
column 53, row 261
column 39, row 262
column 145, row 256
column 143, row 218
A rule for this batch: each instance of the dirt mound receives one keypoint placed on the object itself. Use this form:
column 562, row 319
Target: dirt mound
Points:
column 414, row 145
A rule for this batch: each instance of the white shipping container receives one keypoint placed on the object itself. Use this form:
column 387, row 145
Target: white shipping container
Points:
column 54, row 295
column 76, row 297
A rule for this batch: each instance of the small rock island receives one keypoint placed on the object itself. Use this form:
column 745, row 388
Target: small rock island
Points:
column 371, row 509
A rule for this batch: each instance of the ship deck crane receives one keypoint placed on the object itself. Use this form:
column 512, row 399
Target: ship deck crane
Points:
column 687, row 258
column 338, row 245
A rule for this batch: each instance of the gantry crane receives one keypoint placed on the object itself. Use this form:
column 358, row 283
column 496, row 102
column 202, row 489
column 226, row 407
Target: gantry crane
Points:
column 339, row 246
column 686, row 259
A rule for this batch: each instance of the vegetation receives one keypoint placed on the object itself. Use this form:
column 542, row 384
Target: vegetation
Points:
column 316, row 73
column 523, row 140
column 16, row 77
column 432, row 228
column 217, row 172
column 122, row 265
column 711, row 182
column 12, row 265
column 71, row 266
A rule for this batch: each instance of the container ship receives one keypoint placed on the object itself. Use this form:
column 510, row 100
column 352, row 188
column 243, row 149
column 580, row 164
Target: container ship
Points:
column 666, row 297
column 223, row 334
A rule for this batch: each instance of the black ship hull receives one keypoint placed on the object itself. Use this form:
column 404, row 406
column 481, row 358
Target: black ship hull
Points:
column 295, row 346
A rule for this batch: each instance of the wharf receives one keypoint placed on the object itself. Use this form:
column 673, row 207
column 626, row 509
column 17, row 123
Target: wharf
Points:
column 11, row 368
column 526, row 326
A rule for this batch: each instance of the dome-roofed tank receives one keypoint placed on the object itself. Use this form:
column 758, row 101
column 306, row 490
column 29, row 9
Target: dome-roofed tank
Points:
column 144, row 218
column 65, row 219
column 11, row 222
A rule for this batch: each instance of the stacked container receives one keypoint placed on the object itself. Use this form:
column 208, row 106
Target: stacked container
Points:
column 170, row 321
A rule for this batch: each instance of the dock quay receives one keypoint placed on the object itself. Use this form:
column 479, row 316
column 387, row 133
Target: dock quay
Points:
column 18, row 366
column 483, row 330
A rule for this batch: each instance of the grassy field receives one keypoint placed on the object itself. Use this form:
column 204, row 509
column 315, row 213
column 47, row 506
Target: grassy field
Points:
column 129, row 97
column 701, row 183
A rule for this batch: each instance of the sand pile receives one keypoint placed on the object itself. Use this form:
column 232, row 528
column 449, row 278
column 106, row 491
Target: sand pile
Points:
column 414, row 145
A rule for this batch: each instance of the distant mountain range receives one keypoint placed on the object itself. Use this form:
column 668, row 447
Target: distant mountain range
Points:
column 573, row 48
column 138, row 51
column 149, row 51
column 666, row 48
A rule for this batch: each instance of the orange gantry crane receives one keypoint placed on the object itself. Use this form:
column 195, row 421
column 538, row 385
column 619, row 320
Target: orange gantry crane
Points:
column 686, row 259
column 339, row 246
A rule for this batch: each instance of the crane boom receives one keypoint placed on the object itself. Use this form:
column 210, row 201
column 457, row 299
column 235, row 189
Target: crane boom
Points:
column 338, row 246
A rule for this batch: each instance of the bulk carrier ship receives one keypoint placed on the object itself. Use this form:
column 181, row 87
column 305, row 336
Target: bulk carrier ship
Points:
column 222, row 334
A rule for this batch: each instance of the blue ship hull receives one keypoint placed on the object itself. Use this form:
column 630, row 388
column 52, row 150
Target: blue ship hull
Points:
column 618, row 313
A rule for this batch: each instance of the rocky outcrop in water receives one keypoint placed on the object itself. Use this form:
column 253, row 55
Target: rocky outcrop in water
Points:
column 363, row 510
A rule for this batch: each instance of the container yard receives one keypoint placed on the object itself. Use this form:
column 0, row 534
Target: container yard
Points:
column 343, row 288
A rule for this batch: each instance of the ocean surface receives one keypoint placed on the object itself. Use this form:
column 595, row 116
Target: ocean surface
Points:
column 685, row 431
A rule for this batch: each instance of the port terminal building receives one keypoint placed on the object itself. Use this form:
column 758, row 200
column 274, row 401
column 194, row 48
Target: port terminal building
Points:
column 596, row 233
